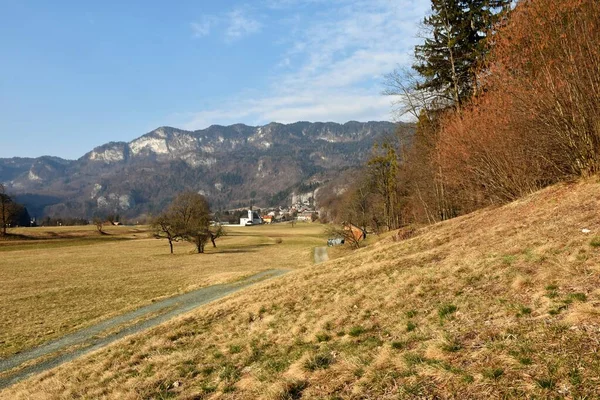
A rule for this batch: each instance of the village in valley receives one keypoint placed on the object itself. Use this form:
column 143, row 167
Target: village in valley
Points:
column 303, row 208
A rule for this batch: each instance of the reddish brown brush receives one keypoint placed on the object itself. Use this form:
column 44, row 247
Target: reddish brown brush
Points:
column 537, row 119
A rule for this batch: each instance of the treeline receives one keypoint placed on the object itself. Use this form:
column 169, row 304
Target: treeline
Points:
column 506, row 100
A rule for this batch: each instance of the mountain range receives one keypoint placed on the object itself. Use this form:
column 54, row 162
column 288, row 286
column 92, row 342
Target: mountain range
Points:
column 232, row 165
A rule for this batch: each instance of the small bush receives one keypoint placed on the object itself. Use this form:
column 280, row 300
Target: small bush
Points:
column 411, row 313
column 279, row 240
column 318, row 361
column 447, row 309
column 410, row 326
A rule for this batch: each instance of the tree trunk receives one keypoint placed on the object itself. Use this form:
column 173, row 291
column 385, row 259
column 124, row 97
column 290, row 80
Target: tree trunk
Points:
column 171, row 245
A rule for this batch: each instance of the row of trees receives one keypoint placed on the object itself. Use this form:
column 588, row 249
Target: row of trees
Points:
column 188, row 218
column 506, row 99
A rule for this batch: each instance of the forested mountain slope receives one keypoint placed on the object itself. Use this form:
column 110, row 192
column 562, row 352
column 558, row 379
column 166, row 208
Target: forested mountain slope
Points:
column 232, row 165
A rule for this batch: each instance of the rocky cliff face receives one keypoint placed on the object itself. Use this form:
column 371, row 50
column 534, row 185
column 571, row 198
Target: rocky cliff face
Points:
column 232, row 165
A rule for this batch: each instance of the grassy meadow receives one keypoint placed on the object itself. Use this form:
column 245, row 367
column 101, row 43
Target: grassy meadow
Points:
column 59, row 279
column 501, row 303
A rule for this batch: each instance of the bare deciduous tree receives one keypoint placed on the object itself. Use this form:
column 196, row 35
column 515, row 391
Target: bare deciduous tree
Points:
column 165, row 227
column 8, row 209
column 188, row 218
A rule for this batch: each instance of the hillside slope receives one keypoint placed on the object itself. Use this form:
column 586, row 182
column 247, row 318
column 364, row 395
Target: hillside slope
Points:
column 500, row 303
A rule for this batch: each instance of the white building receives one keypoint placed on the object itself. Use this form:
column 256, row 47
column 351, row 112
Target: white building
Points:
column 253, row 219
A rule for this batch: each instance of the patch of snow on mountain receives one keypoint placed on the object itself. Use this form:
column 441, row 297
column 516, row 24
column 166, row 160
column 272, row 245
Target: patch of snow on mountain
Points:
column 262, row 173
column 194, row 160
column 258, row 135
column 208, row 161
column 33, row 177
column 160, row 132
column 156, row 145
column 124, row 202
column 183, row 142
column 108, row 155
column 102, row 202
column 95, row 190
column 219, row 186
column 208, row 149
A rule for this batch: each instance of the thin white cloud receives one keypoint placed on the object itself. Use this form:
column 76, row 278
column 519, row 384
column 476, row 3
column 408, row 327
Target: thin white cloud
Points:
column 333, row 65
column 201, row 29
column 241, row 24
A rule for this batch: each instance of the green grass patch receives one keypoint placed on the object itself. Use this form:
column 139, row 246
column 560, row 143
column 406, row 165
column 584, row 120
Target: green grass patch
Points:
column 523, row 311
column 545, row 383
column 509, row 259
column 595, row 242
column 235, row 348
column 398, row 345
column 578, row 296
column 323, row 337
column 356, row 331
column 318, row 361
column 451, row 345
column 292, row 390
column 525, row 360
column 413, row 359
column 493, row 373
column 446, row 310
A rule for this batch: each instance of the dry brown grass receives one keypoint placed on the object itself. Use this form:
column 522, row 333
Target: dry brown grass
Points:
column 501, row 303
column 71, row 277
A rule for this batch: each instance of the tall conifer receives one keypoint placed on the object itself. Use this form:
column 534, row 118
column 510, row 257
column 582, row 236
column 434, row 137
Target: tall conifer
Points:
column 448, row 58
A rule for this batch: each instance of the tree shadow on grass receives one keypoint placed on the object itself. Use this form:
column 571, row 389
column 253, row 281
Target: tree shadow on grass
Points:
column 232, row 251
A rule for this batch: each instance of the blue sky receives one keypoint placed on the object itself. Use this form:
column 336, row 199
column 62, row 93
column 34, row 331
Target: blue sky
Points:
column 77, row 74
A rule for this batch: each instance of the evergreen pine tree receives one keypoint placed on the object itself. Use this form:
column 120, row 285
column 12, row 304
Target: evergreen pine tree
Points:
column 448, row 58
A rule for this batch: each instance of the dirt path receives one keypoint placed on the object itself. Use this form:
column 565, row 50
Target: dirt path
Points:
column 89, row 339
column 321, row 255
